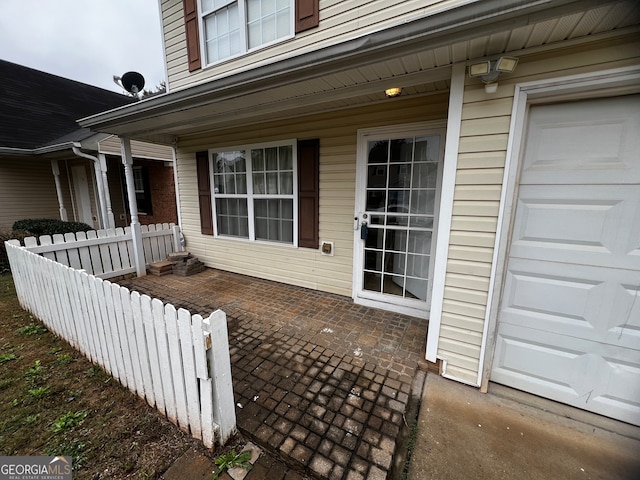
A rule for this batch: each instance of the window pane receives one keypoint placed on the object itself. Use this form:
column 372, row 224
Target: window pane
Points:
column 286, row 158
column 274, row 220
column 286, row 183
column 271, row 157
column 378, row 151
column 267, row 20
column 376, row 200
column 232, row 217
column 257, row 160
column 423, row 201
column 377, row 177
column 259, row 186
column 401, row 150
column 272, row 183
column 221, row 30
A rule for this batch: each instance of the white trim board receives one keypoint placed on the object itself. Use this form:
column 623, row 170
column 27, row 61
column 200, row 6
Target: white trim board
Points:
column 452, row 142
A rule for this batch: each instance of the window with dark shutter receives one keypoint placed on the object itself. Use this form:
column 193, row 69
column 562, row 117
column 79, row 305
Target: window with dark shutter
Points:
column 307, row 14
column 193, row 38
column 308, row 193
column 204, row 193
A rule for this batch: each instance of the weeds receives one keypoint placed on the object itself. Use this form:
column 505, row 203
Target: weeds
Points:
column 233, row 459
column 68, row 421
column 73, row 448
column 7, row 357
column 64, row 359
column 32, row 419
column 31, row 329
column 39, row 392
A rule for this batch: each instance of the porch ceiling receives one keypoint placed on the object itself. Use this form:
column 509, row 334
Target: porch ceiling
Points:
column 359, row 72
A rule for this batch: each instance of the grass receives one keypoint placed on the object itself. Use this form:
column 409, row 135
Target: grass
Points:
column 55, row 402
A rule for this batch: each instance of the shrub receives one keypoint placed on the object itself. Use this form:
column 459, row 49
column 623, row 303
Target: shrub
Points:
column 35, row 228
column 50, row 226
column 4, row 236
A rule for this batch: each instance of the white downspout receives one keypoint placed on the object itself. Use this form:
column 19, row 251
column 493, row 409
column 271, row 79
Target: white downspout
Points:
column 99, row 183
column 56, row 178
column 174, row 152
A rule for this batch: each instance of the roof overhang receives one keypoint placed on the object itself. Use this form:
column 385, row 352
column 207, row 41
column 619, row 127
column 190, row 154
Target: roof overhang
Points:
column 313, row 82
column 89, row 143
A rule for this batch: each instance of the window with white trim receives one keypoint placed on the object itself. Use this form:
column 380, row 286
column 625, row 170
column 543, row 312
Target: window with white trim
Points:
column 234, row 27
column 255, row 192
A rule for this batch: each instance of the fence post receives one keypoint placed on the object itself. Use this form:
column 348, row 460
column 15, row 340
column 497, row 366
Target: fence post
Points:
column 177, row 244
column 224, row 413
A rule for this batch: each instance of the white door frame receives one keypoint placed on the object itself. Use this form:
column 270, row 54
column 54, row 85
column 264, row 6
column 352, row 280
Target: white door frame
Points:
column 410, row 129
column 599, row 84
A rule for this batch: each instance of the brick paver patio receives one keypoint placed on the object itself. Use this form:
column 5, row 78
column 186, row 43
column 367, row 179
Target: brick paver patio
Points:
column 319, row 381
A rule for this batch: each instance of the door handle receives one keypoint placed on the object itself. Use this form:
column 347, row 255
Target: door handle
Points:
column 364, row 231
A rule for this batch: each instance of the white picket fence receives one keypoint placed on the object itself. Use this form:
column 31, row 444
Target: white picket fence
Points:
column 106, row 253
column 178, row 362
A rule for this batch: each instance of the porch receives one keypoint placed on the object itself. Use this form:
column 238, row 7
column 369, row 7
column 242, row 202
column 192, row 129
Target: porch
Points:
column 320, row 381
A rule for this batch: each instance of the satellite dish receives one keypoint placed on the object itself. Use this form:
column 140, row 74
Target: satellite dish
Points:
column 133, row 82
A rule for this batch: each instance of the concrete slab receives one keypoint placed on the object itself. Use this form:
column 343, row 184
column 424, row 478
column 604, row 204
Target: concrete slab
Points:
column 464, row 434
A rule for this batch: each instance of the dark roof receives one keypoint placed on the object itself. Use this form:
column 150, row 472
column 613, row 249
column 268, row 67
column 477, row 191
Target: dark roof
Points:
column 38, row 109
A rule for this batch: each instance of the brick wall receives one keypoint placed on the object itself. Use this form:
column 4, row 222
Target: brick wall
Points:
column 163, row 193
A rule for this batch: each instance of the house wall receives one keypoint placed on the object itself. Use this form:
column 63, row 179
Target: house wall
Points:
column 28, row 190
column 481, row 160
column 111, row 146
column 163, row 193
column 340, row 20
column 337, row 132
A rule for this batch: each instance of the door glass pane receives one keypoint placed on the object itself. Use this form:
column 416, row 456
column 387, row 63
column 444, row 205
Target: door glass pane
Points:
column 400, row 201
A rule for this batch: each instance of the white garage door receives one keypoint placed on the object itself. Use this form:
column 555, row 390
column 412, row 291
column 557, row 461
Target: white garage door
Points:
column 569, row 319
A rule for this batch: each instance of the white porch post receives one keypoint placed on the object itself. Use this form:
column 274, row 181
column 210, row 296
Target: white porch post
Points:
column 110, row 221
column 56, row 179
column 136, row 232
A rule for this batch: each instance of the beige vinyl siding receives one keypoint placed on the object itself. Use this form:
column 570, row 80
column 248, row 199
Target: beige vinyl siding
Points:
column 111, row 146
column 337, row 132
column 483, row 144
column 339, row 21
column 28, row 190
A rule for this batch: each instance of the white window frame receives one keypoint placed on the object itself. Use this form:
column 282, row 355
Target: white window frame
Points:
column 250, row 196
column 242, row 13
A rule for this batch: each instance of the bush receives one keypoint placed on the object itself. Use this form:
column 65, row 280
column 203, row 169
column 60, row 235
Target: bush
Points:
column 4, row 236
column 50, row 226
column 35, row 228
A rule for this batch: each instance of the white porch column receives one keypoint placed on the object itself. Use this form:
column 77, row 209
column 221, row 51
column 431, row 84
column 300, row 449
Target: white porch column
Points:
column 110, row 221
column 136, row 232
column 101, row 199
column 56, row 179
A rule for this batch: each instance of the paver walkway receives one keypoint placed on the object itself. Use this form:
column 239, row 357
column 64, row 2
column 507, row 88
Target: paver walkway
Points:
column 319, row 381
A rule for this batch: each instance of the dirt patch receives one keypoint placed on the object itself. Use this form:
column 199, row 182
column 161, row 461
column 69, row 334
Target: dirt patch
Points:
column 53, row 401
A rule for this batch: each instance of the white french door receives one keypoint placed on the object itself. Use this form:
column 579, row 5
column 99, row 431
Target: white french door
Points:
column 397, row 199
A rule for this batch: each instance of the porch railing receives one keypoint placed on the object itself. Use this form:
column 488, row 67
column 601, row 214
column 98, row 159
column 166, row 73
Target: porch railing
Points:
column 106, row 253
column 178, row 362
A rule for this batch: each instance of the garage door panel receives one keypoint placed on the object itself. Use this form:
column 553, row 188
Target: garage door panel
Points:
column 578, row 224
column 569, row 144
column 569, row 315
column 588, row 375
column 576, row 301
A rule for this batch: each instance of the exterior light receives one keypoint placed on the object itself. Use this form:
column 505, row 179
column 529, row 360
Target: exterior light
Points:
column 489, row 70
column 393, row 92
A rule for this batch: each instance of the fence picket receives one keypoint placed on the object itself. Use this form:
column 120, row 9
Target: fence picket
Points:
column 191, row 386
column 83, row 252
column 114, row 253
column 130, row 333
column 224, row 413
column 46, row 240
column 157, row 352
column 141, row 343
column 60, row 256
column 72, row 252
column 111, row 332
column 94, row 253
column 96, row 323
column 164, row 365
column 152, row 349
column 125, row 258
column 153, row 244
column 176, row 367
column 105, row 256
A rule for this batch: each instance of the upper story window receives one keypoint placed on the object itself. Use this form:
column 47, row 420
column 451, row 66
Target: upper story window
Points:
column 233, row 27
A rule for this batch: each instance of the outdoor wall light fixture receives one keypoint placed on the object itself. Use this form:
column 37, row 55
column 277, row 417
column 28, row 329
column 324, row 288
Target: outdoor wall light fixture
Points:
column 489, row 70
column 393, row 92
